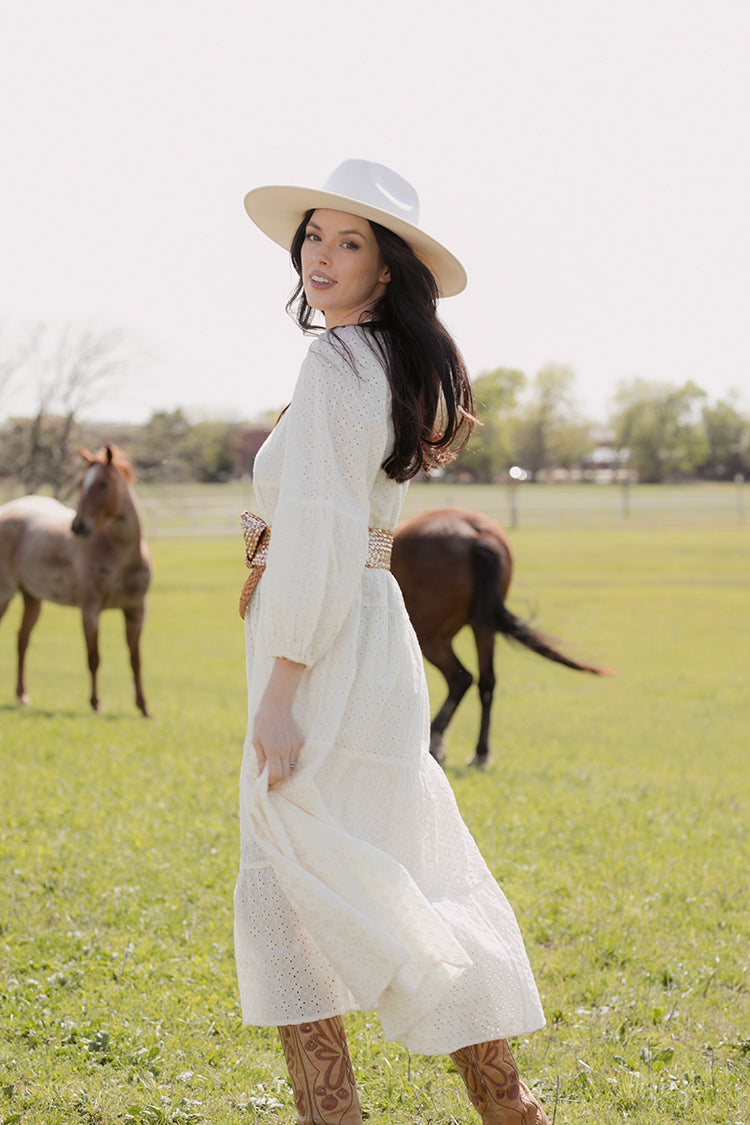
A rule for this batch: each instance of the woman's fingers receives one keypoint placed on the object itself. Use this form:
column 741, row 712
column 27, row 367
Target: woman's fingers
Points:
column 260, row 757
column 281, row 769
column 282, row 763
column 278, row 772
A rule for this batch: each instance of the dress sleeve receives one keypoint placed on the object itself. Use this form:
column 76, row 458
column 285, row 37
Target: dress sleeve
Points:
column 337, row 436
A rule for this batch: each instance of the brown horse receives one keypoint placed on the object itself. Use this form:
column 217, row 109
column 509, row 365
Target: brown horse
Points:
column 94, row 558
column 454, row 569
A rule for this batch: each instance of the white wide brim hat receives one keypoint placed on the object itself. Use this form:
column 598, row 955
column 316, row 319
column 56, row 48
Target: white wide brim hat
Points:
column 372, row 192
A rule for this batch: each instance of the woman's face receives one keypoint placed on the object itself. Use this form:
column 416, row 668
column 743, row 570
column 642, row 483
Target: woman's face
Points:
column 342, row 270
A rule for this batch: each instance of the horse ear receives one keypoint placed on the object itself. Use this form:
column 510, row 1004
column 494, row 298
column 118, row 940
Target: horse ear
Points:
column 109, row 454
column 89, row 457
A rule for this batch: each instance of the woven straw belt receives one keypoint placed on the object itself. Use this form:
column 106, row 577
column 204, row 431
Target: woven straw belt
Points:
column 257, row 534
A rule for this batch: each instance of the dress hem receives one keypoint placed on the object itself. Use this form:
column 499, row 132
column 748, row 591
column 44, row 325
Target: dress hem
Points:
column 488, row 1034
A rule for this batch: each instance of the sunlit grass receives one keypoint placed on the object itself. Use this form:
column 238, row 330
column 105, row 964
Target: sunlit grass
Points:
column 615, row 814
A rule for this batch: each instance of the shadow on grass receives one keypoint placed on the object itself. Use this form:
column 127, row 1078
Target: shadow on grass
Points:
column 35, row 713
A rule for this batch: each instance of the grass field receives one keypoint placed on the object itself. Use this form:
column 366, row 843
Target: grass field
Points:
column 615, row 814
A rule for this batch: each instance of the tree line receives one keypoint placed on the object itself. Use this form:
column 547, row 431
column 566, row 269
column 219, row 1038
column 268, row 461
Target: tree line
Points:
column 68, row 373
column 42, row 454
column 654, row 431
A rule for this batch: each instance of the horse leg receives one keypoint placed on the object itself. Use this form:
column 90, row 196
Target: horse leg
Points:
column 91, row 634
column 459, row 680
column 491, row 566
column 133, row 626
column 485, row 639
column 32, row 607
column 4, row 603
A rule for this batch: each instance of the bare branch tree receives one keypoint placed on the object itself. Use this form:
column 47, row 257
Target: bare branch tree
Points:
column 86, row 365
column 16, row 354
column 72, row 372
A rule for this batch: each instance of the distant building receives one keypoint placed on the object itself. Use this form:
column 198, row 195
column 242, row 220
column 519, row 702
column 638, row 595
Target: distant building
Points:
column 607, row 465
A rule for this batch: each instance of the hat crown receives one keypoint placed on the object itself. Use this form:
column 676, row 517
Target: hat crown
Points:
column 377, row 186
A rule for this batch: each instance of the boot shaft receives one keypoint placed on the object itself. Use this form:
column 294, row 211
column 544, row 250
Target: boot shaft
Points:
column 490, row 1075
column 320, row 1070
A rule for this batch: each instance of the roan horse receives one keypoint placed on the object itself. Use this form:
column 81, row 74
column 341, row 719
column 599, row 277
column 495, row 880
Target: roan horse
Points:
column 454, row 569
column 94, row 558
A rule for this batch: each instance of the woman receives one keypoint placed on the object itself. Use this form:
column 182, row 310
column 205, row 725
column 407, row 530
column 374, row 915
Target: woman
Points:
column 360, row 886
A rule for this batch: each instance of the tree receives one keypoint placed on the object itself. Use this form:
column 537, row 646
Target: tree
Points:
column 212, row 451
column 659, row 424
column 15, row 354
column 727, row 438
column 489, row 450
column 169, row 447
column 70, row 371
column 549, row 430
column 160, row 452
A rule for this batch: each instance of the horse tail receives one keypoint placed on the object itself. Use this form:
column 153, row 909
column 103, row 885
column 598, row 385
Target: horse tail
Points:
column 515, row 629
column 489, row 609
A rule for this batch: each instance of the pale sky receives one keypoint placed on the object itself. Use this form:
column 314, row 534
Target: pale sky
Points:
column 587, row 161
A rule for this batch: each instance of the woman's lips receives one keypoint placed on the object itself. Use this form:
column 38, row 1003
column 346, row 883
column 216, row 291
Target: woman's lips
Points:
column 320, row 281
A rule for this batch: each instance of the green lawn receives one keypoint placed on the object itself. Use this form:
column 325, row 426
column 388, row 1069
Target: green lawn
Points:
column 615, row 814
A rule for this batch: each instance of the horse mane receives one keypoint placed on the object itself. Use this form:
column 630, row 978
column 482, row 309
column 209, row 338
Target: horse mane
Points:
column 111, row 455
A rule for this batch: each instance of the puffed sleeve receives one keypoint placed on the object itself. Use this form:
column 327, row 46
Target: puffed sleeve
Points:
column 337, row 435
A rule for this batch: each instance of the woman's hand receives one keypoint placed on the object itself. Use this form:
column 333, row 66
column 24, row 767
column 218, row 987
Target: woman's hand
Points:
column 277, row 741
column 276, row 736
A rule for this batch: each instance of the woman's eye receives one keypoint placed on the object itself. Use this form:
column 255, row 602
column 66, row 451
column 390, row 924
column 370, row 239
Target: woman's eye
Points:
column 311, row 236
column 350, row 245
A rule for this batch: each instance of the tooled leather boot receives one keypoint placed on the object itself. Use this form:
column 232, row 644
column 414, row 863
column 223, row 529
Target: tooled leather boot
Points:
column 320, row 1069
column 495, row 1090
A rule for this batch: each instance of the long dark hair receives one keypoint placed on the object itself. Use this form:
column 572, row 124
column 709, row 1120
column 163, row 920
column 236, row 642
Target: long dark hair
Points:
column 432, row 398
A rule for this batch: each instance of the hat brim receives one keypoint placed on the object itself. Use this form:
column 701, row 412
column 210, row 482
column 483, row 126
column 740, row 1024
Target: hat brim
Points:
column 279, row 210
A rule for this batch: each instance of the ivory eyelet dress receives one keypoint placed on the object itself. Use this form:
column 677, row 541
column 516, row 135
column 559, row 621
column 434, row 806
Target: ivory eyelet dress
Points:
column 359, row 886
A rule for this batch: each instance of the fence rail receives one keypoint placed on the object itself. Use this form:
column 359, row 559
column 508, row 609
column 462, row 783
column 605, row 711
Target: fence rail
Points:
column 215, row 509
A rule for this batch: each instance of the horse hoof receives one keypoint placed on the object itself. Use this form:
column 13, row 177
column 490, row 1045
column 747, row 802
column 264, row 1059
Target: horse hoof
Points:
column 479, row 763
column 24, row 700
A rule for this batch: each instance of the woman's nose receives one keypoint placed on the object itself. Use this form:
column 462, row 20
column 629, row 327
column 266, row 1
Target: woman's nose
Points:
column 321, row 252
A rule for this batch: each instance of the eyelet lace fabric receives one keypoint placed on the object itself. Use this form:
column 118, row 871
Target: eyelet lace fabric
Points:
column 359, row 887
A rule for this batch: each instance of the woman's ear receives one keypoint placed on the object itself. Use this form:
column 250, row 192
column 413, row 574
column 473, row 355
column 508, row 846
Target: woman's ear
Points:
column 385, row 275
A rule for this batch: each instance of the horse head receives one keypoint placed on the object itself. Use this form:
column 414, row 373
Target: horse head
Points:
column 106, row 474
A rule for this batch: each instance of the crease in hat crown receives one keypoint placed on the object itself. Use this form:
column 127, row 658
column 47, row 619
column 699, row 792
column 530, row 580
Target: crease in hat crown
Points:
column 364, row 188
column 376, row 185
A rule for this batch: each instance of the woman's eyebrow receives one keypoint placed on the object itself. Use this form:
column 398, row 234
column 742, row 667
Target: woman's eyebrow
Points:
column 361, row 233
